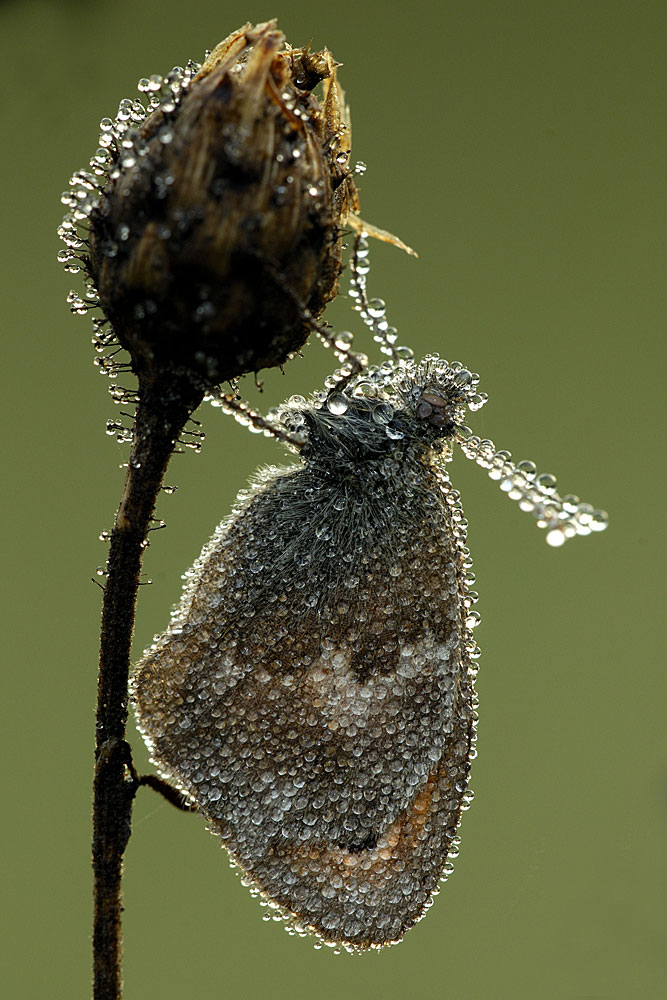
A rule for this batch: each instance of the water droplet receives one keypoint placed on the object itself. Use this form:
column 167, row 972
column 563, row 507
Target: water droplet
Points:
column 337, row 404
column 546, row 482
column 528, row 469
column 556, row 537
column 343, row 340
column 383, row 413
column 599, row 520
column 377, row 308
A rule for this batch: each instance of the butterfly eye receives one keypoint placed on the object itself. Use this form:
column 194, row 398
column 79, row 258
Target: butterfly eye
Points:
column 435, row 410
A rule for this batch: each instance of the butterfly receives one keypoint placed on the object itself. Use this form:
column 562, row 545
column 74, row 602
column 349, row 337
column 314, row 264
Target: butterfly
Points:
column 313, row 696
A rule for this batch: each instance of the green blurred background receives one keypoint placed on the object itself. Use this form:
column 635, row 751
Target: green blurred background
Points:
column 520, row 147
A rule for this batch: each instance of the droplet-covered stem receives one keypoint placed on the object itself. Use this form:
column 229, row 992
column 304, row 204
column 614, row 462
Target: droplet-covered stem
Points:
column 165, row 406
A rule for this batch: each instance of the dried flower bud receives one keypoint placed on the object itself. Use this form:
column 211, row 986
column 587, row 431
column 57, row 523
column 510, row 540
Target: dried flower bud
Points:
column 216, row 211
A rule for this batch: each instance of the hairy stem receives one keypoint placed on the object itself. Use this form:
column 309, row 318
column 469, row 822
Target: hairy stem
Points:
column 165, row 405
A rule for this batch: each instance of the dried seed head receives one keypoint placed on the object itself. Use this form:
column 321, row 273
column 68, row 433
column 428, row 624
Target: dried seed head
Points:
column 215, row 212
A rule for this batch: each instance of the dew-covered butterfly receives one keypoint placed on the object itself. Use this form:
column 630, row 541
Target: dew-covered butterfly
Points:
column 314, row 694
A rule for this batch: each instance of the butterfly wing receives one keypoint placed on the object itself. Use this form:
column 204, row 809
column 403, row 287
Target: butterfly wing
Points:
column 314, row 697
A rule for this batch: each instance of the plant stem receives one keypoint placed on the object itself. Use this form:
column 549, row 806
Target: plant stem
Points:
column 165, row 405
